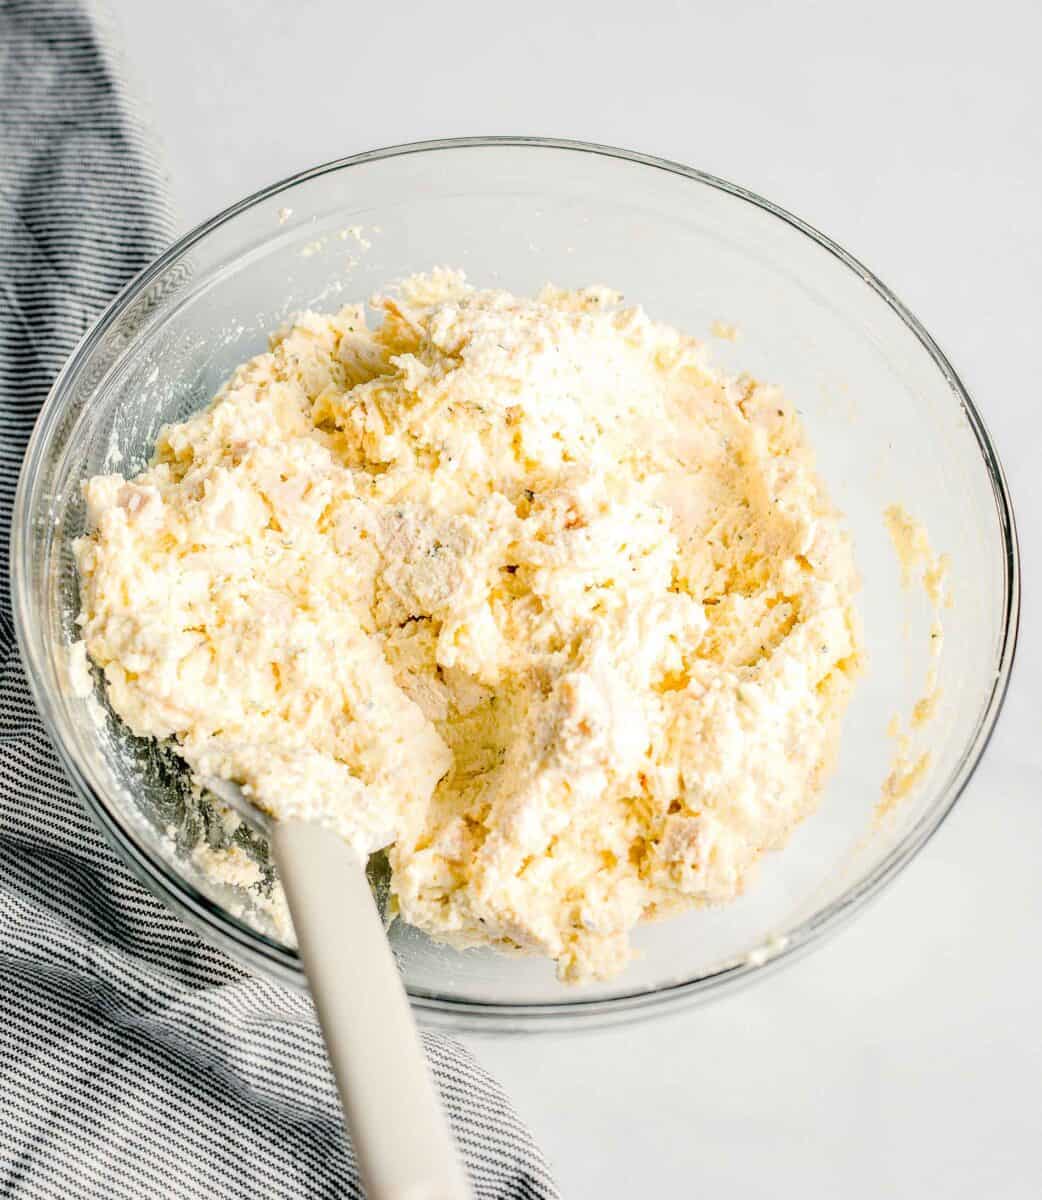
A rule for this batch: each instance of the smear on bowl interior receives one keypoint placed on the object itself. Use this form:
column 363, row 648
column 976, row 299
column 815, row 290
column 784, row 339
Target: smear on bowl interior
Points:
column 522, row 589
column 921, row 564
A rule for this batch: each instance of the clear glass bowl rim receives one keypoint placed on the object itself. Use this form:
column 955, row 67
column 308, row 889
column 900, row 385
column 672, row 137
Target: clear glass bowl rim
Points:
column 245, row 943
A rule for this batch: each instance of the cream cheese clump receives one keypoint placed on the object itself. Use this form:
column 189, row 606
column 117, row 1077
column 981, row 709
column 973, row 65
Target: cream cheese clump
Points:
column 523, row 589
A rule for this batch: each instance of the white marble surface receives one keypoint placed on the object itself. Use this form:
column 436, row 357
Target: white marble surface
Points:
column 905, row 1058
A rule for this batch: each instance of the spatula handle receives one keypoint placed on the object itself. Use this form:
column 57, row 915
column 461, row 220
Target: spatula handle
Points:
column 401, row 1137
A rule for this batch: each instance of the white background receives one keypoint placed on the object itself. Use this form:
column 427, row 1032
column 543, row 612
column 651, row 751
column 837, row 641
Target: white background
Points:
column 905, row 1058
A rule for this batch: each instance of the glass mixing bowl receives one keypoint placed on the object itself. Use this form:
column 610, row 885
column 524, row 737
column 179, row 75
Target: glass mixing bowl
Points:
column 889, row 419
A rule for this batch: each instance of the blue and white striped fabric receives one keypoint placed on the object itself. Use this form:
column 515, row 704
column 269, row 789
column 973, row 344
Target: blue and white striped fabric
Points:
column 134, row 1060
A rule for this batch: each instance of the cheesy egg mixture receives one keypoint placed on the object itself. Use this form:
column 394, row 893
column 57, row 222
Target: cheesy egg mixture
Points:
column 522, row 589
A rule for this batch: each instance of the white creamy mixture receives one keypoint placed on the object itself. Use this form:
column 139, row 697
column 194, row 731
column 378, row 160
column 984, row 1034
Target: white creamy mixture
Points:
column 522, row 588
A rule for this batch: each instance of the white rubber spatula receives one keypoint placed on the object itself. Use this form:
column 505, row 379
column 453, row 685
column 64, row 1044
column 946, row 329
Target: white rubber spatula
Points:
column 401, row 1137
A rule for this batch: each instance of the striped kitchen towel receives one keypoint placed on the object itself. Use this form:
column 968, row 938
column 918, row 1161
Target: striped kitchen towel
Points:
column 134, row 1059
